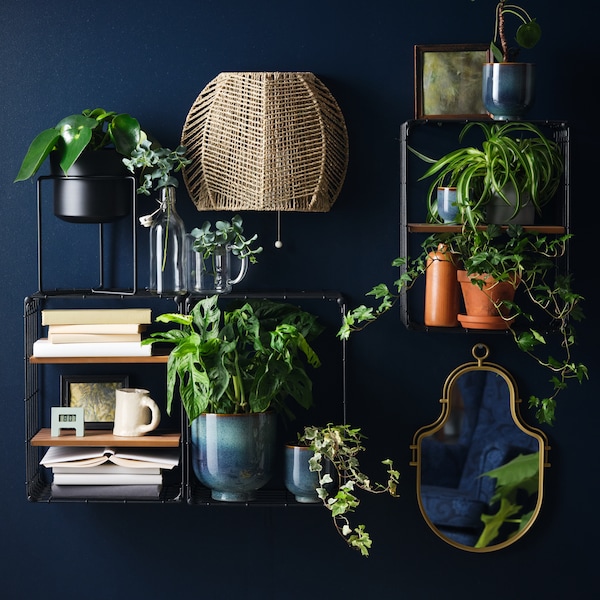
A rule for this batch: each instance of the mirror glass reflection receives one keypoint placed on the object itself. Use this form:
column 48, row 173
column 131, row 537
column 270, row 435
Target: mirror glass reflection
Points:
column 479, row 467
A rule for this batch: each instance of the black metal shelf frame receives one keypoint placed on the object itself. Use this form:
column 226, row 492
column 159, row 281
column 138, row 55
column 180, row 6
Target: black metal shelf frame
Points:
column 188, row 489
column 560, row 132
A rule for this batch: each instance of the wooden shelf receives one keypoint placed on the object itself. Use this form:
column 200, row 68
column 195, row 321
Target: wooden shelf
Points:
column 104, row 437
column 439, row 228
column 154, row 359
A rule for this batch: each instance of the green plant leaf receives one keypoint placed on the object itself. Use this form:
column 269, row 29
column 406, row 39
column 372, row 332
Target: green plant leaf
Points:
column 529, row 34
column 124, row 131
column 37, row 153
column 75, row 141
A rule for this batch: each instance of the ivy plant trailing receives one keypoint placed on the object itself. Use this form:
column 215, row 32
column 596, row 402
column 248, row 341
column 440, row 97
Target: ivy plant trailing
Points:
column 341, row 445
column 517, row 255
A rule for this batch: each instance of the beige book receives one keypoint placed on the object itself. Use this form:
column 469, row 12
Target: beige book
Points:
column 66, row 316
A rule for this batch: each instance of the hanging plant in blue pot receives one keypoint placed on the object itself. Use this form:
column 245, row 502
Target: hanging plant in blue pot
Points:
column 508, row 85
column 237, row 369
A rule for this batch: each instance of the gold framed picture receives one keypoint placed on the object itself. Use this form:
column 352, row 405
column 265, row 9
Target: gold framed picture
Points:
column 448, row 81
column 95, row 394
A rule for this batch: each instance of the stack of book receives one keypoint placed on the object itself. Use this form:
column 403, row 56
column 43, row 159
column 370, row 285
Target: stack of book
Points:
column 134, row 473
column 94, row 332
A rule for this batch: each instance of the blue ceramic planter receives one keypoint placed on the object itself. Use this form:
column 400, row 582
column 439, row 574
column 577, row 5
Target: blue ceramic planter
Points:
column 508, row 89
column 233, row 455
column 297, row 476
column 446, row 204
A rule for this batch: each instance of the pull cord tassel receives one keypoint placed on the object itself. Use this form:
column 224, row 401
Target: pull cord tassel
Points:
column 278, row 242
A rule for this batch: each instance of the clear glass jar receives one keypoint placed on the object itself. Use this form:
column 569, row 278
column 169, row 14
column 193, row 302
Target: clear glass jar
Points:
column 167, row 247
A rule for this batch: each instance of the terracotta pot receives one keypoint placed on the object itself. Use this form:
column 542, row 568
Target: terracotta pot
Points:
column 479, row 302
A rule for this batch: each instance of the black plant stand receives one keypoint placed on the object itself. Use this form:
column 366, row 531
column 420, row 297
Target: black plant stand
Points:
column 100, row 288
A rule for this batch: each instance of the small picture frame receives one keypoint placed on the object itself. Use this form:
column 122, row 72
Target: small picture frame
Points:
column 95, row 394
column 448, row 81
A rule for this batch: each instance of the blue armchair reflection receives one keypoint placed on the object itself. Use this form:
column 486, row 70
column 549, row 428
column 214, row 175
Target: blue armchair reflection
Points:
column 478, row 435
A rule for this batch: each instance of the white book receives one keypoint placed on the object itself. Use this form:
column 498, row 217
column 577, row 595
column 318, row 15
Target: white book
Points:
column 43, row 348
column 83, row 456
column 106, row 468
column 105, row 479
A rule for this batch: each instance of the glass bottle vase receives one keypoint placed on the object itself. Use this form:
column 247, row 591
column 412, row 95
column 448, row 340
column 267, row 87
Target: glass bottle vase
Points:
column 167, row 247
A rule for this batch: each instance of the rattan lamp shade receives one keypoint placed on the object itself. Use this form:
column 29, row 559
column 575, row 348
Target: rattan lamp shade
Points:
column 265, row 141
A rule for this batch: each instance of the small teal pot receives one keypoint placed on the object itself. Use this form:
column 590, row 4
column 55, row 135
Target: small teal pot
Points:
column 508, row 89
column 299, row 480
column 233, row 455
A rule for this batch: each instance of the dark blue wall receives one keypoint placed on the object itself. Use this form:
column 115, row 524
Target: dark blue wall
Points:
column 152, row 58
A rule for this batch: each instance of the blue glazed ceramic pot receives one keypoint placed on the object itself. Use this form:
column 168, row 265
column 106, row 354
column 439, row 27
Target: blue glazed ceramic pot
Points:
column 233, row 455
column 508, row 89
column 297, row 476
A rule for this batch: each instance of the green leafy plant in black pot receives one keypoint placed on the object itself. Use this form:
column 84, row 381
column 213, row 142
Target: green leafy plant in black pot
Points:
column 93, row 129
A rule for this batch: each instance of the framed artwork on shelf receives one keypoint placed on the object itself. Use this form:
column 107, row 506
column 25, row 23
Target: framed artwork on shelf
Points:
column 95, row 394
column 448, row 81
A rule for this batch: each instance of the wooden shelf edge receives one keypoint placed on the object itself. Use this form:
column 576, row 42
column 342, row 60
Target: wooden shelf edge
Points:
column 439, row 228
column 154, row 359
column 104, row 437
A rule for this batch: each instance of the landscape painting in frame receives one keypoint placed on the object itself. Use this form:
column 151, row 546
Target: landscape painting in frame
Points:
column 96, row 394
column 448, row 81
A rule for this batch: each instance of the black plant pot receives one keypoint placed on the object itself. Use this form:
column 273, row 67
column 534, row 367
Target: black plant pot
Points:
column 98, row 188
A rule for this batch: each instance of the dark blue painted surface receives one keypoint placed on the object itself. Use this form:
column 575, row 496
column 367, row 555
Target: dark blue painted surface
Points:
column 152, row 59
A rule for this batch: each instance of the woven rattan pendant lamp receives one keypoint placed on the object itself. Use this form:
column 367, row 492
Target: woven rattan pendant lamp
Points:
column 265, row 141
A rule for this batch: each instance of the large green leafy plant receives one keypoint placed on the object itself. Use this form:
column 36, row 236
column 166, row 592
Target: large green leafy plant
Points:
column 248, row 359
column 93, row 129
column 341, row 445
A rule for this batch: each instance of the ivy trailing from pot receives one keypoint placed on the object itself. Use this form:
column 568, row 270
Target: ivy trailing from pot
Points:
column 340, row 445
column 512, row 255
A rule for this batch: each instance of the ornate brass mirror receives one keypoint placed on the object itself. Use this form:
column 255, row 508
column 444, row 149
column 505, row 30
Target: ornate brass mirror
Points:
column 480, row 468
